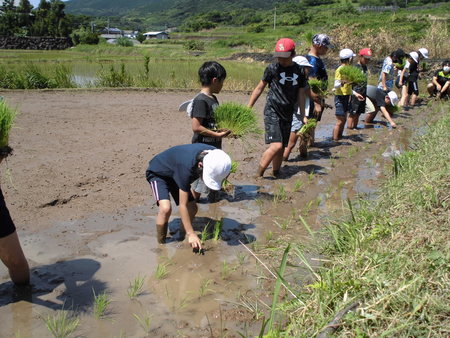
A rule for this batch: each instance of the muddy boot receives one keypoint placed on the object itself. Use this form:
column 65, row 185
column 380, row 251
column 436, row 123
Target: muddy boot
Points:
column 161, row 232
column 260, row 172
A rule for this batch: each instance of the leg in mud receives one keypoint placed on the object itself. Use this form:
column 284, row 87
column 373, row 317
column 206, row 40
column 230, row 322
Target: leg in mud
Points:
column 273, row 154
column 303, row 145
column 12, row 256
column 292, row 141
column 339, row 127
column 311, row 136
column 162, row 220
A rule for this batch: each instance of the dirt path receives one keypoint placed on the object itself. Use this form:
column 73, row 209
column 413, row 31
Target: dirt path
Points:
column 77, row 192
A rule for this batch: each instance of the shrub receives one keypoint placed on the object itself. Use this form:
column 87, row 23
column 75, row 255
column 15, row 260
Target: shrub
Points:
column 124, row 42
column 7, row 116
column 194, row 45
column 255, row 28
column 140, row 37
column 84, row 36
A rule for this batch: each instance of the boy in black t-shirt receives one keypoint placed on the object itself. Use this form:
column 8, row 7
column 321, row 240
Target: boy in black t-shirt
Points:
column 287, row 85
column 440, row 84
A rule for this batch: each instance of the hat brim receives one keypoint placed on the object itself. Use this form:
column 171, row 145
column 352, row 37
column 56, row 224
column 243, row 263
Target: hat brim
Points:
column 282, row 54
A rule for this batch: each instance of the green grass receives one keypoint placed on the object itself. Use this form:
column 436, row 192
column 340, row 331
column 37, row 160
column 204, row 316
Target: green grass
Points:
column 238, row 118
column 7, row 117
column 388, row 259
column 204, row 287
column 161, row 270
column 135, row 287
column 352, row 75
column 280, row 195
column 61, row 324
column 144, row 322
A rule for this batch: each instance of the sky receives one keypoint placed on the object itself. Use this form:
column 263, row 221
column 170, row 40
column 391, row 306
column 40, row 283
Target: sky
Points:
column 35, row 3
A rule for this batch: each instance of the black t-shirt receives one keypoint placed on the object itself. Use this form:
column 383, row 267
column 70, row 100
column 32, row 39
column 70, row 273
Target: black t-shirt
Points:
column 377, row 95
column 203, row 107
column 179, row 163
column 284, row 83
column 413, row 71
column 442, row 78
column 318, row 69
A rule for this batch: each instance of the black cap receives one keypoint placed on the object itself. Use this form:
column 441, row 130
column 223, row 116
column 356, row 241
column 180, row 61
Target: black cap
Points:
column 399, row 53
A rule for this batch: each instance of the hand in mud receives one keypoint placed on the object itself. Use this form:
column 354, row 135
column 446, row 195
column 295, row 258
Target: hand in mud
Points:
column 393, row 125
column 194, row 241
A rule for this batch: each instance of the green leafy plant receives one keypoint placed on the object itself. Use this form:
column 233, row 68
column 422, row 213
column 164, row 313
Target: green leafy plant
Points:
column 280, row 195
column 204, row 287
column 312, row 123
column 61, row 324
column 144, row 322
column 7, row 117
column 135, row 288
column 217, row 229
column 161, row 270
column 101, row 303
column 298, row 185
column 238, row 118
column 352, row 74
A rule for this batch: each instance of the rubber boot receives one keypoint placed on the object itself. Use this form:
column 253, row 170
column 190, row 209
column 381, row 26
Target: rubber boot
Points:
column 161, row 232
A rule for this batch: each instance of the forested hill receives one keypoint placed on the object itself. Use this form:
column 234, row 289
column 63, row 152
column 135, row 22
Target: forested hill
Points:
column 165, row 8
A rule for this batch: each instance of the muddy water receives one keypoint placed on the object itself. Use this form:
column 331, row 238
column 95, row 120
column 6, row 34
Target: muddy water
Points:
column 223, row 291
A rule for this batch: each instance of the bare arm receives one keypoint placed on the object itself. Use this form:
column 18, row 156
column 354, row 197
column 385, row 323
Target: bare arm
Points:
column 193, row 239
column 301, row 101
column 198, row 128
column 257, row 93
column 383, row 81
column 387, row 116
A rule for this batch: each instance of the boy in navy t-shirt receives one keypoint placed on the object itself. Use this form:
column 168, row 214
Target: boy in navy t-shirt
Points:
column 172, row 172
column 287, row 85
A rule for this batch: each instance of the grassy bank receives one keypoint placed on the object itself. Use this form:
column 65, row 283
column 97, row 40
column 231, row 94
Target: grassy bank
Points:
column 386, row 271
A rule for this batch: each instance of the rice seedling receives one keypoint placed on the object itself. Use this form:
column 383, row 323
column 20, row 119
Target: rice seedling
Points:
column 352, row 74
column 7, row 117
column 238, row 118
column 135, row 288
column 319, row 87
column 61, row 324
column 144, row 322
column 226, row 270
column 226, row 185
column 101, row 303
column 205, row 233
column 161, row 270
column 282, row 223
column 217, row 229
column 311, row 176
column 312, row 123
column 260, row 203
column 298, row 185
column 204, row 287
column 269, row 236
column 280, row 195
column 241, row 257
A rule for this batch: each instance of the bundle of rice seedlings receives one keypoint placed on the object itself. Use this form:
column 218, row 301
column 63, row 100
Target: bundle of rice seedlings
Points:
column 319, row 87
column 312, row 123
column 7, row 116
column 353, row 75
column 238, row 118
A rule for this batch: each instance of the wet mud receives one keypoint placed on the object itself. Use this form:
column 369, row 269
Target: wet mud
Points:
column 77, row 192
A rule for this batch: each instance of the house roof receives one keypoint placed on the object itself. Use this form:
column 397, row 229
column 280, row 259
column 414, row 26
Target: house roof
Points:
column 156, row 33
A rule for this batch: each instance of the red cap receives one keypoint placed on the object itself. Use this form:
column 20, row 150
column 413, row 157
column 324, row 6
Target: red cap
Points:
column 284, row 48
column 366, row 52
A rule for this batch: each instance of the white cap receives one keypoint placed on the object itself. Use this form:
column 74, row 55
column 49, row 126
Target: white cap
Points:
column 393, row 97
column 414, row 56
column 424, row 52
column 302, row 61
column 346, row 53
column 216, row 167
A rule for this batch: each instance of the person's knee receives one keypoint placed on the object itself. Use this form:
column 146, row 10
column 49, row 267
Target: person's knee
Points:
column 165, row 210
column 276, row 147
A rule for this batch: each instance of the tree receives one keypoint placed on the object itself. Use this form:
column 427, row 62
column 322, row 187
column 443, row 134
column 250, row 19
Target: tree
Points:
column 8, row 19
column 50, row 20
column 24, row 15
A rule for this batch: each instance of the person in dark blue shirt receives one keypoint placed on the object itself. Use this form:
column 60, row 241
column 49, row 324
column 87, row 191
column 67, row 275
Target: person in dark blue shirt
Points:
column 173, row 171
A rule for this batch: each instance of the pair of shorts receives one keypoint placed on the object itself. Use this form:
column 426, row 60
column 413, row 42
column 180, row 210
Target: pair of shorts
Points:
column 277, row 130
column 7, row 226
column 296, row 123
column 413, row 88
column 342, row 104
column 163, row 186
column 400, row 85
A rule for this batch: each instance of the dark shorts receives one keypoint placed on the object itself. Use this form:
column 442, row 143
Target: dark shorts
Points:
column 357, row 107
column 277, row 130
column 7, row 226
column 163, row 186
column 413, row 88
column 342, row 104
column 400, row 85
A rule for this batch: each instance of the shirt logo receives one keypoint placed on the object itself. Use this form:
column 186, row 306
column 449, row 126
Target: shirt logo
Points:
column 285, row 78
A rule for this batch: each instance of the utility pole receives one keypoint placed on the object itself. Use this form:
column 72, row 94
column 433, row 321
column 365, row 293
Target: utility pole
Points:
column 275, row 19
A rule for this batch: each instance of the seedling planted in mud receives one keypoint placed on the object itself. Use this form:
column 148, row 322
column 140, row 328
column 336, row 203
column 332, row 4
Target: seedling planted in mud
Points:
column 241, row 257
column 269, row 236
column 61, row 324
column 217, row 229
column 226, row 270
column 205, row 233
column 161, row 270
column 283, row 223
column 311, row 175
column 144, row 322
column 101, row 303
column 135, row 288
column 204, row 287
column 280, row 194
column 298, row 185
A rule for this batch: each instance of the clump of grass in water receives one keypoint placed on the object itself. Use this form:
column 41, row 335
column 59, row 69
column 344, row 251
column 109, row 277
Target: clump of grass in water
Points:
column 101, row 303
column 204, row 287
column 161, row 270
column 217, row 229
column 353, row 75
column 238, row 118
column 7, row 117
column 135, row 288
column 144, row 322
column 61, row 325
